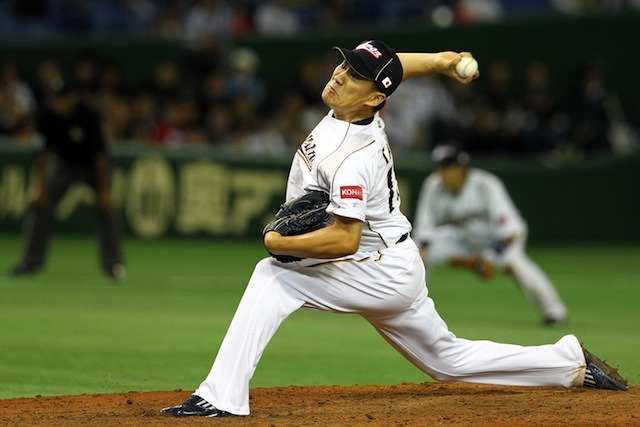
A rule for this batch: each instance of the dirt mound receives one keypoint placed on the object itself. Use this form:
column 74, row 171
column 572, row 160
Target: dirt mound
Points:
column 428, row 404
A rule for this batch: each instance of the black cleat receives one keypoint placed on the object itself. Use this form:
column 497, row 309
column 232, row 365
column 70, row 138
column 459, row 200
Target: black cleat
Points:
column 23, row 270
column 601, row 375
column 555, row 322
column 195, row 406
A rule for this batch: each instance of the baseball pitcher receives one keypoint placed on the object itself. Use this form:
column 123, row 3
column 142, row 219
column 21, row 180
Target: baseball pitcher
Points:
column 362, row 261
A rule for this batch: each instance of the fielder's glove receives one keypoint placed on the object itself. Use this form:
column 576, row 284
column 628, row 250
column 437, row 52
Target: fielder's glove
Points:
column 302, row 215
column 500, row 246
column 482, row 266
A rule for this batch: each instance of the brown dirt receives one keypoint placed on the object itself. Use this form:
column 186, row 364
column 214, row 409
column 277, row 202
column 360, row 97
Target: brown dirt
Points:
column 428, row 404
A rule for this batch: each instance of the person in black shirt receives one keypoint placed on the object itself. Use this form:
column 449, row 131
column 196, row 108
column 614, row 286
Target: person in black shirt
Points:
column 74, row 150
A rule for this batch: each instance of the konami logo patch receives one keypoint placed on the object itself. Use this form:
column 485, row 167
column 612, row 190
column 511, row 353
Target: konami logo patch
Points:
column 351, row 192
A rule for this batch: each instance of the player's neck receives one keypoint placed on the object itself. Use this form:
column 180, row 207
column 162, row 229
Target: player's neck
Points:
column 354, row 118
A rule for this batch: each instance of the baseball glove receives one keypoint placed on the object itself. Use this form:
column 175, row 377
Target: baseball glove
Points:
column 482, row 266
column 301, row 215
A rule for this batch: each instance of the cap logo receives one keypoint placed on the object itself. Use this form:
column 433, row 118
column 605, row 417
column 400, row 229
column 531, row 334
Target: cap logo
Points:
column 368, row 47
column 386, row 82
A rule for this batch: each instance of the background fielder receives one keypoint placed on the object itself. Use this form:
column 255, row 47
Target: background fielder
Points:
column 465, row 217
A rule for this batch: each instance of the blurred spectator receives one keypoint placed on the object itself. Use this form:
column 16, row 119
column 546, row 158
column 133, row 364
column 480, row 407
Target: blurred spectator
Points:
column 299, row 108
column 253, row 134
column 17, row 104
column 473, row 11
column 574, row 7
column 111, row 78
column 169, row 23
column 276, row 18
column 115, row 114
column 166, row 82
column 419, row 107
column 113, row 101
column 177, row 123
column 214, row 90
column 545, row 124
column 261, row 138
column 311, row 78
column 143, row 118
column 29, row 17
column 85, row 75
column 49, row 76
column 590, row 121
column 599, row 120
column 71, row 16
column 133, row 17
column 243, row 79
column 217, row 20
column 208, row 29
column 290, row 118
column 332, row 13
column 498, row 116
column 219, row 125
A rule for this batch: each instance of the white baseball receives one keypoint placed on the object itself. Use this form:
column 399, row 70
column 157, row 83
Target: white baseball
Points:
column 467, row 67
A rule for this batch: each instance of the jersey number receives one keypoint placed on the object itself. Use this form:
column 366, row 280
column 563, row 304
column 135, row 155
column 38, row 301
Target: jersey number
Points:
column 391, row 192
column 390, row 180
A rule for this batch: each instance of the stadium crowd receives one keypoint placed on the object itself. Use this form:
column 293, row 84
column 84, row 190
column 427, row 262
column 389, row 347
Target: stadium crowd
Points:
column 216, row 95
column 187, row 18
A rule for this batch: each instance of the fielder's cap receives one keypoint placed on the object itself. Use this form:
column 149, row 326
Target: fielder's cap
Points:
column 375, row 61
column 449, row 154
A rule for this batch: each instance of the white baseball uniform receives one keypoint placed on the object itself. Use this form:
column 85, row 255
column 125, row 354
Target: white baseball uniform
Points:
column 470, row 222
column 384, row 281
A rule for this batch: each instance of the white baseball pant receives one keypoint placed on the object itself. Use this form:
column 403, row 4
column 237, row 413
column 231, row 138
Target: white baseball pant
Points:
column 388, row 289
column 449, row 242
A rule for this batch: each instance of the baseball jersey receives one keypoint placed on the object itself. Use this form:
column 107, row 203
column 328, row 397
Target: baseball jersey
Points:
column 482, row 209
column 353, row 163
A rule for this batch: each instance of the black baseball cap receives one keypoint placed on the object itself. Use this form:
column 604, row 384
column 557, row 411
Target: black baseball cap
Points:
column 375, row 61
column 449, row 154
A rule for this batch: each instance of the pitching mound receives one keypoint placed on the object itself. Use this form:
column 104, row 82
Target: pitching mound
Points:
column 425, row 404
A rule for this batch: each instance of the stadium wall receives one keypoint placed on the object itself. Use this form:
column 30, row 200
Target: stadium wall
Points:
column 204, row 192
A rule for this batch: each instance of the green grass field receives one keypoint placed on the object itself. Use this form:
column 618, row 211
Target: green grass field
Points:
column 69, row 330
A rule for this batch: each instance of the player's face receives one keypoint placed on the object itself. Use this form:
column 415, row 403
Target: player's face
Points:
column 453, row 177
column 350, row 95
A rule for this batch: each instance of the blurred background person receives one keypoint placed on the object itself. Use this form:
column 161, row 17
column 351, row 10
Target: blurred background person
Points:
column 276, row 18
column 17, row 104
column 546, row 124
column 422, row 108
column 74, row 151
column 465, row 217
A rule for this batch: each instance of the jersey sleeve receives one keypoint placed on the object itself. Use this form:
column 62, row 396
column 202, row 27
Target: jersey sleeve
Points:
column 350, row 186
column 503, row 213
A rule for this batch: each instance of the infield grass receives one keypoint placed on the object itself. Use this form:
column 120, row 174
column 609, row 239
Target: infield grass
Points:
column 69, row 330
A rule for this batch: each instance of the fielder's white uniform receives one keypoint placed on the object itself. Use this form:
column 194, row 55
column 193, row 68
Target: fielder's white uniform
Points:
column 470, row 222
column 384, row 282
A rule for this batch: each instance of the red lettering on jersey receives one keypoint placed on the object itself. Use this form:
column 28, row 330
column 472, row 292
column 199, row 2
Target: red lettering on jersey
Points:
column 351, row 192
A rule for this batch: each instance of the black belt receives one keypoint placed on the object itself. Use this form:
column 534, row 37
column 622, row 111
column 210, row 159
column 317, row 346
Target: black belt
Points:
column 402, row 238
